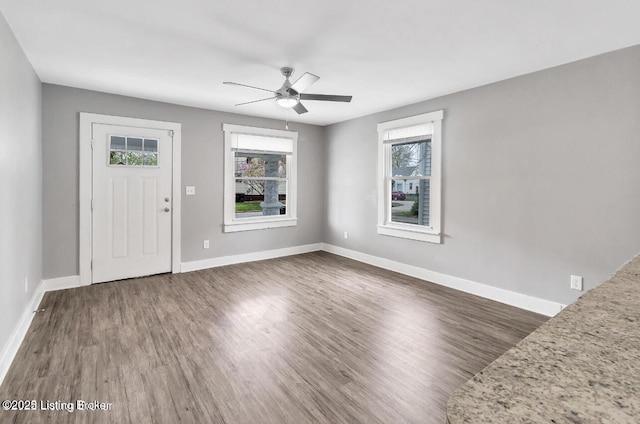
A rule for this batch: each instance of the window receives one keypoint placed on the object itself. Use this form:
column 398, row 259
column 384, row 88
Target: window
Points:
column 132, row 151
column 409, row 158
column 259, row 178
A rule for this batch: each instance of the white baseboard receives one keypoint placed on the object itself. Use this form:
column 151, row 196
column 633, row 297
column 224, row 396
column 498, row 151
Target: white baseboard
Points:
column 519, row 300
column 249, row 257
column 61, row 283
column 19, row 332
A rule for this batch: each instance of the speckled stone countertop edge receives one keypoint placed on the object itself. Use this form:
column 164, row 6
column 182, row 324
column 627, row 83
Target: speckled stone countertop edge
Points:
column 583, row 365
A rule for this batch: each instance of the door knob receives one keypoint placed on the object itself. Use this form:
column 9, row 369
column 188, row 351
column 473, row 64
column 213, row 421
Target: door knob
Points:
column 166, row 199
column 167, row 209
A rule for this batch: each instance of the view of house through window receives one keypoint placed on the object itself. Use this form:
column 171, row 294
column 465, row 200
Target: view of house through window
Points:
column 410, row 171
column 409, row 189
column 261, row 184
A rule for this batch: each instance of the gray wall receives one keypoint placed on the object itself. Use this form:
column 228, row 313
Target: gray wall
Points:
column 202, row 166
column 541, row 179
column 20, row 182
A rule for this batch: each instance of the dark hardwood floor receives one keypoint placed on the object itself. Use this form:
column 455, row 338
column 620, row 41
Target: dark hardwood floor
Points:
column 312, row 338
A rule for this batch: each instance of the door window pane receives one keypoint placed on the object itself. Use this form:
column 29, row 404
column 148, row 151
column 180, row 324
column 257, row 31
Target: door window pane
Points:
column 134, row 143
column 150, row 145
column 151, row 159
column 134, row 158
column 117, row 158
column 118, row 143
column 132, row 151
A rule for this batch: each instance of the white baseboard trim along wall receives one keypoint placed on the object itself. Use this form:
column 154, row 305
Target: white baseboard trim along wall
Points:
column 15, row 340
column 519, row 300
column 249, row 257
column 61, row 283
column 11, row 348
column 530, row 303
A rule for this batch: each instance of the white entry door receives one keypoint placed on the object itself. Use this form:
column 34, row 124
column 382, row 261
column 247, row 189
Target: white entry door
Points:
column 132, row 205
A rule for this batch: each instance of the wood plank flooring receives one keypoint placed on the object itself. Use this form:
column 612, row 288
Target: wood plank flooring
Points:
column 312, row 338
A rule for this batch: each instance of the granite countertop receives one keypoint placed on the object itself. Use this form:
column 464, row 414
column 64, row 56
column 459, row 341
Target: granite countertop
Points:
column 581, row 366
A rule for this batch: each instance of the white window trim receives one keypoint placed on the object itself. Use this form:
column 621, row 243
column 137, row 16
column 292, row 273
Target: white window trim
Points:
column 386, row 227
column 231, row 224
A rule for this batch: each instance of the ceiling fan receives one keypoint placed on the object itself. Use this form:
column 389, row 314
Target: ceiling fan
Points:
column 289, row 95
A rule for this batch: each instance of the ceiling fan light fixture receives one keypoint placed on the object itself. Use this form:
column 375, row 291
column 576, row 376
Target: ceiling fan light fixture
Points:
column 287, row 102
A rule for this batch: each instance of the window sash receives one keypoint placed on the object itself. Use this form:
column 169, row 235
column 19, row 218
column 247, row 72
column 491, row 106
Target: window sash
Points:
column 243, row 139
column 400, row 132
column 288, row 193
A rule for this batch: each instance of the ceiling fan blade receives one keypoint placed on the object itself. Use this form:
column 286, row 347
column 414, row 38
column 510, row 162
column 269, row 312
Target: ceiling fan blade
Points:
column 300, row 109
column 325, row 97
column 255, row 101
column 304, row 82
column 248, row 86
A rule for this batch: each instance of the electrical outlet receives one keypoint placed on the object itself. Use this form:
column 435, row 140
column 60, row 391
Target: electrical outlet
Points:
column 576, row 282
column 346, row 235
column 205, row 244
column 190, row 190
column 26, row 284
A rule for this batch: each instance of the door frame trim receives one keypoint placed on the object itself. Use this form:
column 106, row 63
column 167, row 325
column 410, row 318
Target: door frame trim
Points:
column 87, row 120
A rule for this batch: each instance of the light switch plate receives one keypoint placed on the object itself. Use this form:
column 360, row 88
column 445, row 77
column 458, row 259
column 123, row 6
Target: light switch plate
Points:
column 191, row 190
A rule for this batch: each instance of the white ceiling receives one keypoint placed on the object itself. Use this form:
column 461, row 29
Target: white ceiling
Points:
column 385, row 53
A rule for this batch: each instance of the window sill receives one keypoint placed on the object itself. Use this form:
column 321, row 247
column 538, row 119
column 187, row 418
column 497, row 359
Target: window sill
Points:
column 259, row 224
column 411, row 234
